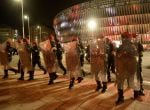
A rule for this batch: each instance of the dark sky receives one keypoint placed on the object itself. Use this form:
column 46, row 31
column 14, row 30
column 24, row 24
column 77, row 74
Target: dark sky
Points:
column 41, row 12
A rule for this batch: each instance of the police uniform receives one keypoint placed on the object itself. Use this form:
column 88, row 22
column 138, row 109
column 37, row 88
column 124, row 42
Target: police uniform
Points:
column 59, row 53
column 110, row 59
column 9, row 52
column 126, row 67
column 139, row 69
column 36, row 58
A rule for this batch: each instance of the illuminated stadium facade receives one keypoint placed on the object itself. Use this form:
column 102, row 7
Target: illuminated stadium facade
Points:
column 112, row 18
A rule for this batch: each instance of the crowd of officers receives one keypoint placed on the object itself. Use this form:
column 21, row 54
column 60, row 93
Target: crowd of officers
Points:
column 34, row 50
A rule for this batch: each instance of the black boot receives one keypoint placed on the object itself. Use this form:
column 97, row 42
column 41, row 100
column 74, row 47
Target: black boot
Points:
column 108, row 76
column 99, row 86
column 65, row 72
column 13, row 70
column 79, row 79
column 141, row 90
column 141, row 93
column 51, row 81
column 45, row 71
column 54, row 75
column 136, row 94
column 83, row 72
column 22, row 75
column 71, row 83
column 104, row 87
column 5, row 74
column 120, row 97
column 31, row 75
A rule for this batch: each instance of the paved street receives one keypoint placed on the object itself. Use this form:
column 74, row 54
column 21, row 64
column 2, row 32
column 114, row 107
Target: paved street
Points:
column 37, row 95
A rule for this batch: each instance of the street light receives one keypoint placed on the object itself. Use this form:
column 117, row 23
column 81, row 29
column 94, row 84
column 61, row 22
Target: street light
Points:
column 27, row 18
column 21, row 1
column 92, row 24
column 39, row 27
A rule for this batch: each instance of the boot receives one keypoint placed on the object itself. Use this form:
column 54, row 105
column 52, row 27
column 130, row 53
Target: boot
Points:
column 13, row 70
column 108, row 76
column 51, row 81
column 83, row 73
column 141, row 90
column 104, row 87
column 31, row 75
column 45, row 71
column 120, row 97
column 141, row 93
column 22, row 75
column 5, row 74
column 99, row 86
column 79, row 79
column 136, row 94
column 65, row 72
column 71, row 83
column 109, row 79
column 54, row 75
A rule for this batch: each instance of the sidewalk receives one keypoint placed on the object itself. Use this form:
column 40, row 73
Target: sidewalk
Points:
column 37, row 95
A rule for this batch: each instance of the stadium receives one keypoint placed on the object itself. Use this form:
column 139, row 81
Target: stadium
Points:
column 109, row 18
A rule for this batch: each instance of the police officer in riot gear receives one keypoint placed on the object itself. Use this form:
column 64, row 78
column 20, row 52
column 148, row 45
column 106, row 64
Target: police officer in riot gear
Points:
column 9, row 52
column 59, row 52
column 31, row 72
column 52, row 75
column 35, row 51
column 110, row 59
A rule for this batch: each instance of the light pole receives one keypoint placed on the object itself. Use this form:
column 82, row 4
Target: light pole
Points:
column 21, row 1
column 27, row 18
column 39, row 27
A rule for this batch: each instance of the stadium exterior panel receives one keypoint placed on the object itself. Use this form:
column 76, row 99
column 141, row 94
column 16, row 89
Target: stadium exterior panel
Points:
column 109, row 18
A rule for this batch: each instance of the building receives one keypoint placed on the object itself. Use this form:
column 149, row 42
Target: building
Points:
column 112, row 17
column 6, row 33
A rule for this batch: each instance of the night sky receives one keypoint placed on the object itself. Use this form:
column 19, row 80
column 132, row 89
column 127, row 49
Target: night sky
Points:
column 41, row 12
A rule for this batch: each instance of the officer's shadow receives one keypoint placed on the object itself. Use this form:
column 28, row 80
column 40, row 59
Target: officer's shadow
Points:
column 109, row 103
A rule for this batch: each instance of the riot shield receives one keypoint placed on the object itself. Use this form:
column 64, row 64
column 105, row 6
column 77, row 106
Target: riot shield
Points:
column 3, row 56
column 126, row 60
column 72, row 58
column 97, row 56
column 25, row 57
column 49, row 56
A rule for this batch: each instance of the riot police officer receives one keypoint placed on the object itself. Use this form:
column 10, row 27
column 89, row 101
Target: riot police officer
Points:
column 59, row 52
column 35, row 51
column 110, row 58
column 30, row 71
column 9, row 52
column 52, row 74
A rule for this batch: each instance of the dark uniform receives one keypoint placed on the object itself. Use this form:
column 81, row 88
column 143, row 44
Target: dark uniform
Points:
column 59, row 53
column 139, row 71
column 81, row 51
column 36, row 57
column 110, row 59
column 9, row 51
